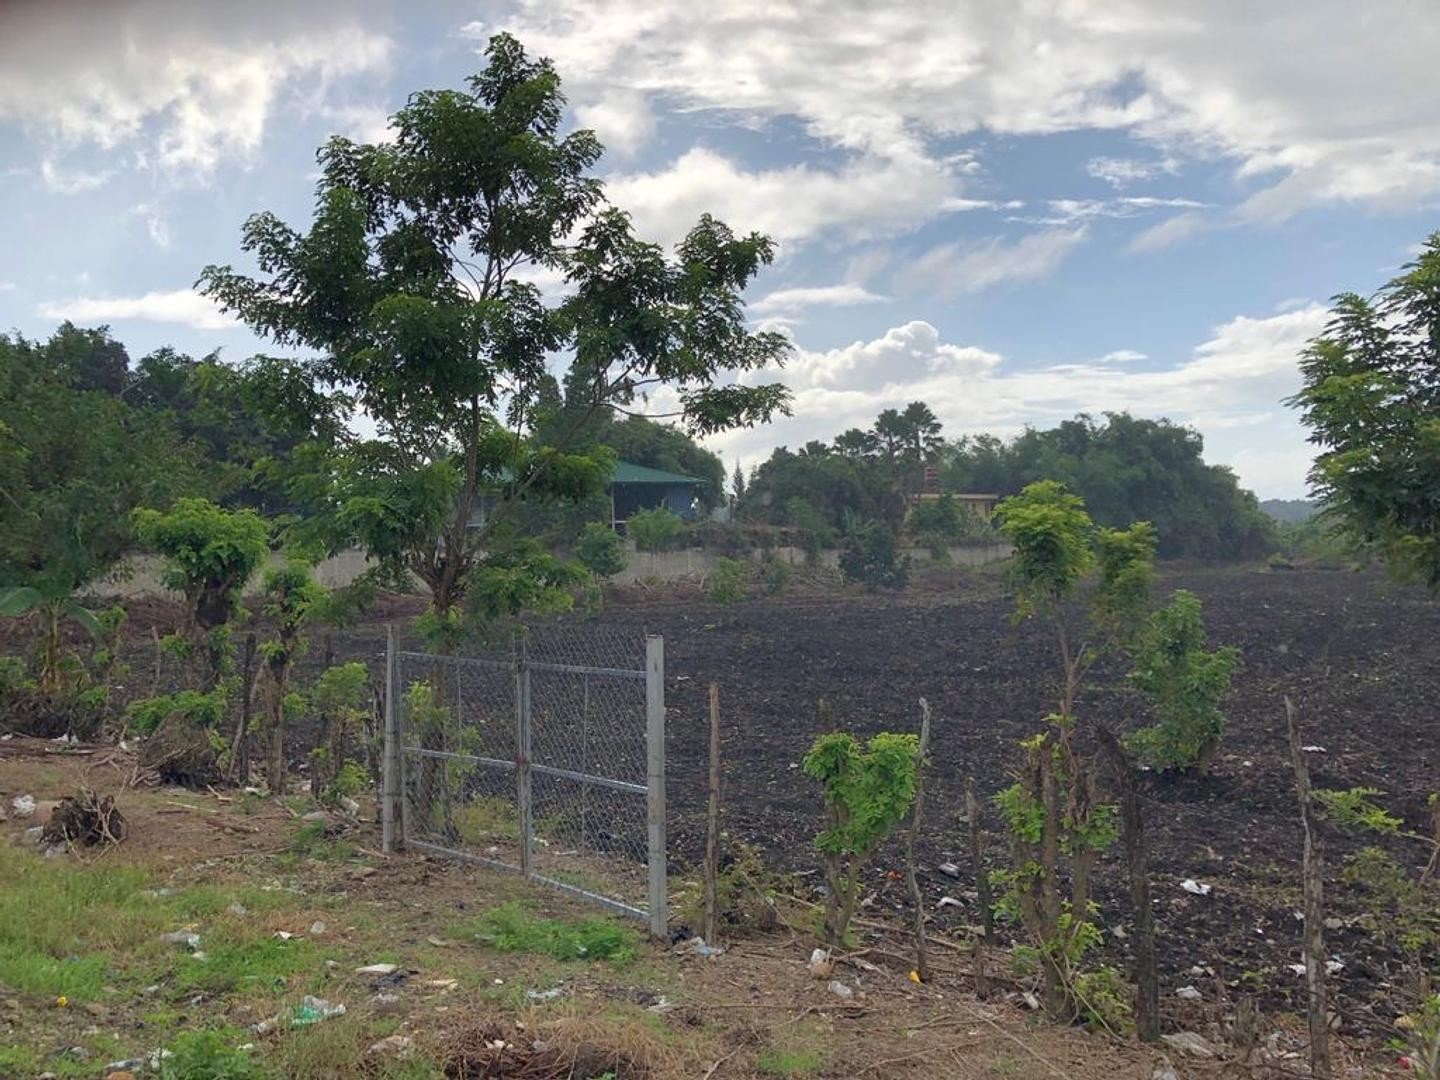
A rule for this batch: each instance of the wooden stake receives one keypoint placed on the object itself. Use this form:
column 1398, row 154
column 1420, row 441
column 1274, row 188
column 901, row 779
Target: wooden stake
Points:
column 982, row 890
column 922, row 965
column 1313, row 883
column 712, row 824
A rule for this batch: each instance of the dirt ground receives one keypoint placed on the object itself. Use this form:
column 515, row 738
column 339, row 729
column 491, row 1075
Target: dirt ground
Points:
column 1358, row 654
column 754, row 1011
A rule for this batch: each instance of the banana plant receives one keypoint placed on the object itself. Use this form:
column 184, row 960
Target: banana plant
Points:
column 54, row 608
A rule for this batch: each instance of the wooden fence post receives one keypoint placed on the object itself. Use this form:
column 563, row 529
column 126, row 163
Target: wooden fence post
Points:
column 1313, row 883
column 922, row 751
column 390, row 761
column 712, row 824
column 655, row 782
column 982, row 890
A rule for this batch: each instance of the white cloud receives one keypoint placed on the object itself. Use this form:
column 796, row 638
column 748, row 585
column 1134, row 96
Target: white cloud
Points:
column 1289, row 93
column 1229, row 387
column 970, row 267
column 1120, row 173
column 1169, row 232
column 156, row 223
column 867, row 198
column 182, row 85
column 72, row 181
column 1121, row 356
column 179, row 306
column 1070, row 211
column 791, row 300
column 7, row 286
column 621, row 119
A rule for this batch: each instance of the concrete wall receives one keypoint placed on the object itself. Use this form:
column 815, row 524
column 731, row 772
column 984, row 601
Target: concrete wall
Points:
column 144, row 571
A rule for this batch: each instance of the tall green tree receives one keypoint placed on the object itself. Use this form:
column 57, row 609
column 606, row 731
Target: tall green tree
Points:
column 1371, row 399
column 410, row 288
column 75, row 460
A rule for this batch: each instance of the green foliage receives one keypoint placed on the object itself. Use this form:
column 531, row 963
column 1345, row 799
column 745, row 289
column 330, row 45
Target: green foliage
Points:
column 1355, row 808
column 1401, row 909
column 350, row 780
column 943, row 522
column 774, row 576
column 513, row 928
column 870, row 555
column 1127, row 575
column 211, row 552
column 1185, row 684
column 1051, row 534
column 1104, row 999
column 1126, row 469
column 206, row 1054
column 727, row 581
column 201, row 710
column 600, row 550
column 1371, row 381
column 52, row 609
column 654, row 530
column 867, row 793
column 75, row 459
column 342, row 688
column 520, row 576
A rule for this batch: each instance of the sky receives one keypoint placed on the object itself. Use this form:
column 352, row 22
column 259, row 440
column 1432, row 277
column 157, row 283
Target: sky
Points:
column 1014, row 210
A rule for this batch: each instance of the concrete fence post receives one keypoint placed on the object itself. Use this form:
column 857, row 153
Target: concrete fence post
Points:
column 655, row 782
column 390, row 759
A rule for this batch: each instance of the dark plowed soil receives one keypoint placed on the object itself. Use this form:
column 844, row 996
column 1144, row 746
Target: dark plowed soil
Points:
column 1359, row 656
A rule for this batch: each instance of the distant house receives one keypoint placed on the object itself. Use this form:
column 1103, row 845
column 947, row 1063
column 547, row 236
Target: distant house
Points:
column 982, row 505
column 638, row 487
column 632, row 487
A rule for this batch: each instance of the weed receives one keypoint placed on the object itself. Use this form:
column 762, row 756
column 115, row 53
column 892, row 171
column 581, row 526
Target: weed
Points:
column 511, row 928
column 1354, row 808
column 209, row 1055
column 773, row 1061
column 727, row 583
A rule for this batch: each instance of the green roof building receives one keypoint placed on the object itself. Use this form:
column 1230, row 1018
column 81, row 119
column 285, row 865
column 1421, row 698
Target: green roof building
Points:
column 638, row 487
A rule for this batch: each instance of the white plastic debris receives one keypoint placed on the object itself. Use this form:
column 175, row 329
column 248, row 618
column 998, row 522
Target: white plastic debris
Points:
column 282, row 935
column 1188, row 1042
column 948, row 901
column 392, row 1046
column 350, row 806
column 1190, row 885
column 1188, row 993
column 545, row 995
column 187, row 938
column 23, row 806
column 238, row 909
column 317, row 927
column 840, row 990
column 949, row 869
column 1314, row 749
column 313, row 1009
column 1334, row 966
column 377, row 969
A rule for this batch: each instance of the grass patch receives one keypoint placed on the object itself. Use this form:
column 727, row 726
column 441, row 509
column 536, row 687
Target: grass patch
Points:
column 774, row 1061
column 511, row 928
column 311, row 842
column 211, row 1054
column 246, row 964
column 485, row 820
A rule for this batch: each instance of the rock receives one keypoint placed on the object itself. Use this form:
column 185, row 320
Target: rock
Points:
column 1188, row 1042
column 393, row 1046
column 948, row 901
column 840, row 990
column 820, row 964
column 316, row 815
column 317, row 927
column 1188, row 993
column 23, row 806
column 949, row 869
column 1165, row 1072
column 187, row 938
column 377, row 969
column 350, row 806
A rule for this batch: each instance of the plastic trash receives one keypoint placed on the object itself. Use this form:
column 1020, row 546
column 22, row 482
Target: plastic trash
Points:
column 840, row 990
column 377, row 969
column 948, row 901
column 317, row 927
column 1188, row 993
column 312, row 1010
column 187, row 938
column 545, row 995
column 698, row 946
column 949, row 869
column 23, row 806
column 1188, row 1042
column 1190, row 885
column 392, row 1046
column 238, row 909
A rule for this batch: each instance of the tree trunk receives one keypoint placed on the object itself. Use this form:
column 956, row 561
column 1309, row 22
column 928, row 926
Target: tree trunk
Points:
column 1313, row 882
column 275, row 728
column 240, row 741
column 982, row 890
column 712, row 823
column 1137, row 861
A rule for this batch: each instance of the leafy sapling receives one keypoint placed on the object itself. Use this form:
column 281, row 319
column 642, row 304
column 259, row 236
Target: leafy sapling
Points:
column 867, row 794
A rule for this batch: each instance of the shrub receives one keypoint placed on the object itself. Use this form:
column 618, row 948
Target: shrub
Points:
column 1185, row 684
column 775, row 577
column 654, row 530
column 727, row 581
column 1353, row 808
column 870, row 556
column 145, row 715
column 211, row 1055
column 600, row 550
column 867, row 793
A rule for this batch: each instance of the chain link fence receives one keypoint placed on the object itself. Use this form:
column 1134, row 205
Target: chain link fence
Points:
column 545, row 756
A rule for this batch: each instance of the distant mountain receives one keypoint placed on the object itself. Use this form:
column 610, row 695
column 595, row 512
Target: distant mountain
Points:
column 1289, row 511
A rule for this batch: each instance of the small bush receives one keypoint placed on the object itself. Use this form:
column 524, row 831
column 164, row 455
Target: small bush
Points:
column 870, row 556
column 191, row 706
column 727, row 581
column 775, row 577
column 511, row 928
column 1185, row 682
column 654, row 530
column 600, row 550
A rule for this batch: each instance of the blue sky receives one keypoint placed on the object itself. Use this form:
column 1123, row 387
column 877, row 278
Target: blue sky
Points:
column 1014, row 211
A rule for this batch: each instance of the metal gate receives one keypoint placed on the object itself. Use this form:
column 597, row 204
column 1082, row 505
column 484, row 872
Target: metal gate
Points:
column 532, row 761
